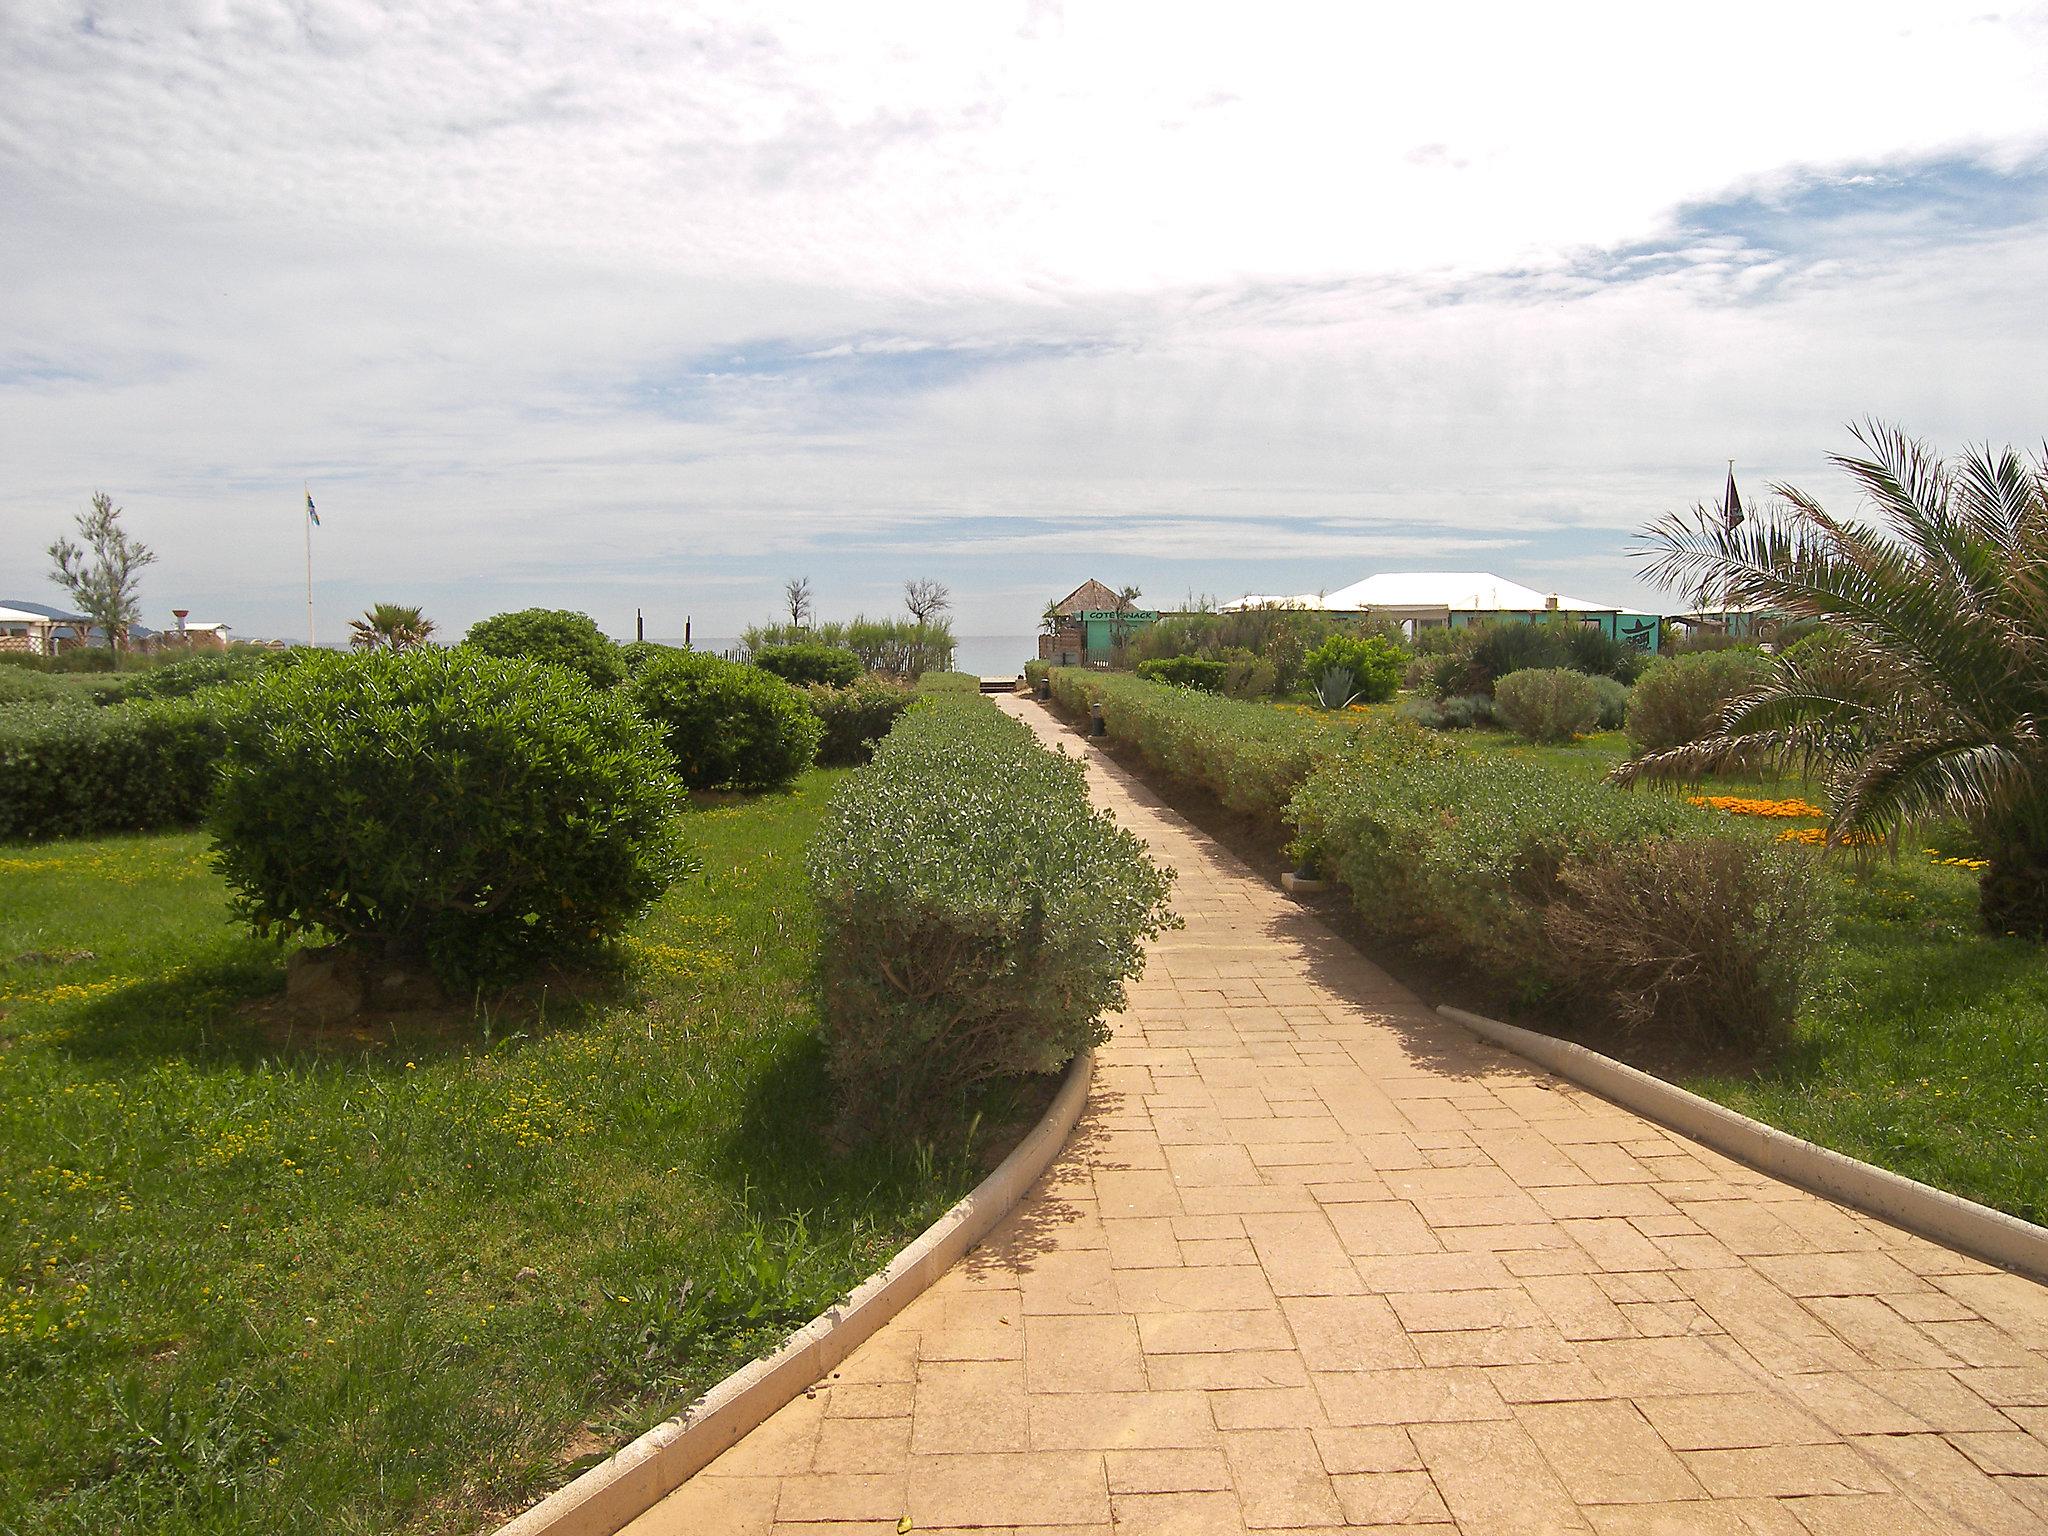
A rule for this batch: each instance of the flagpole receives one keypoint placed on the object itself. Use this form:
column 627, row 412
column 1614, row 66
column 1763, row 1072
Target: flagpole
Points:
column 312, row 637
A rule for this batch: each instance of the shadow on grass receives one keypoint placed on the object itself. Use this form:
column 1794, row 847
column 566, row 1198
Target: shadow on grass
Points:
column 228, row 1007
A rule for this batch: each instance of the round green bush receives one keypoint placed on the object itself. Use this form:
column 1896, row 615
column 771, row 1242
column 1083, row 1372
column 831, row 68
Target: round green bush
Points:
column 728, row 726
column 1680, row 698
column 832, row 665
column 479, row 813
column 554, row 636
column 635, row 654
column 1547, row 703
column 1613, row 703
column 1375, row 663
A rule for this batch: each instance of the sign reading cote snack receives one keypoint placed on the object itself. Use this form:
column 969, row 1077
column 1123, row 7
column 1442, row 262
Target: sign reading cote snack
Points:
column 1110, row 616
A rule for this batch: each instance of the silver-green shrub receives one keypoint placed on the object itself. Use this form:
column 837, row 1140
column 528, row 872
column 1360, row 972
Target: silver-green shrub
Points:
column 977, row 915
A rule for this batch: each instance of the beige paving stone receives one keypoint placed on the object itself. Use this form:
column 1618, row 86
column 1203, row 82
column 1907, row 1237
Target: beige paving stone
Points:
column 1380, row 1499
column 861, row 1445
column 1423, row 1311
column 1175, row 1333
column 977, row 1405
column 1366, row 1448
column 1733, row 1421
column 1267, row 1408
column 744, row 1506
column 1189, row 1471
column 1382, row 1227
column 1178, row 1514
column 1418, row 1396
column 1224, row 1370
column 1784, row 1471
column 1348, row 1333
column 1279, row 1479
column 1683, row 1519
column 1146, row 1420
column 1940, row 1476
column 1494, row 1480
column 1082, row 1354
column 1301, row 1255
column 839, row 1496
column 1606, row 1453
column 1032, row 1488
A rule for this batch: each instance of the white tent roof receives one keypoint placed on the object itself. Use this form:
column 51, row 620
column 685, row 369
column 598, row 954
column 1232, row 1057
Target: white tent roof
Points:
column 19, row 616
column 1459, row 591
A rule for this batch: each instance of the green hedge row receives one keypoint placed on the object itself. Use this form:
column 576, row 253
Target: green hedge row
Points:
column 978, row 916
column 1251, row 756
column 74, row 771
column 1185, row 672
column 1546, row 884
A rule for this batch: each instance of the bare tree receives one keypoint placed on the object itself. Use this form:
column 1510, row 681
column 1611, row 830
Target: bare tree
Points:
column 926, row 600
column 796, row 594
column 103, row 576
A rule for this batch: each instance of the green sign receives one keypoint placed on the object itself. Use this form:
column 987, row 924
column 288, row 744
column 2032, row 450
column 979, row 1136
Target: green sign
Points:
column 1110, row 616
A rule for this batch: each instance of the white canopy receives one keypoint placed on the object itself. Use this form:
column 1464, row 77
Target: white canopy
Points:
column 1438, row 591
column 1459, row 591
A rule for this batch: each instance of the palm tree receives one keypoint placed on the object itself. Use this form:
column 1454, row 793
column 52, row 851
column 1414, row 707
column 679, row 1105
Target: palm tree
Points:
column 1929, row 695
column 390, row 627
column 1050, row 620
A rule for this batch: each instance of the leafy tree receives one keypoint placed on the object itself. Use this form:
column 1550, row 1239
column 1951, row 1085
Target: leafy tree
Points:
column 103, row 576
column 926, row 600
column 1931, row 696
column 796, row 597
column 390, row 627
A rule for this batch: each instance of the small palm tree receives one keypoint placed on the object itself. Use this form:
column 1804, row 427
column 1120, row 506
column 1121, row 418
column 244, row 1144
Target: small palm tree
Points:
column 390, row 627
column 1929, row 695
column 1050, row 620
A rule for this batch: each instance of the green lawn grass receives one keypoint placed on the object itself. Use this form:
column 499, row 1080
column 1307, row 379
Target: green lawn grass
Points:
column 260, row 1280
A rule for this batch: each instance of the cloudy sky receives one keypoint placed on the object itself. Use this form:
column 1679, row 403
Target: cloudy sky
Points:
column 615, row 305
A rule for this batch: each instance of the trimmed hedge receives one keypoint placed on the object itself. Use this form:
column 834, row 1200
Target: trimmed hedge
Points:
column 832, row 665
column 1186, row 672
column 856, row 718
column 1252, row 757
column 978, row 917
column 69, row 770
column 477, row 812
column 554, row 636
column 728, row 726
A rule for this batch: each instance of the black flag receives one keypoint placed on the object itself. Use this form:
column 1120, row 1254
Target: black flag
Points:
column 1731, row 504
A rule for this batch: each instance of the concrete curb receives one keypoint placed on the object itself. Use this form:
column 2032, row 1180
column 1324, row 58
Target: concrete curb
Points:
column 1934, row 1213
column 635, row 1478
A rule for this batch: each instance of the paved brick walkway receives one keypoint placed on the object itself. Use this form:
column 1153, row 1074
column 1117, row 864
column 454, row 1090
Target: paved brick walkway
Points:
column 1317, row 1260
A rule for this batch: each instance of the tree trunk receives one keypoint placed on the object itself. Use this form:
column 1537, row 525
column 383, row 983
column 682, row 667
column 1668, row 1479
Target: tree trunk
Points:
column 2013, row 894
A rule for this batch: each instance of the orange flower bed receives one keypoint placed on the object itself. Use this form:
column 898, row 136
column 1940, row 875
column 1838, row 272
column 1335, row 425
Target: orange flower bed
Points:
column 1742, row 805
column 1817, row 837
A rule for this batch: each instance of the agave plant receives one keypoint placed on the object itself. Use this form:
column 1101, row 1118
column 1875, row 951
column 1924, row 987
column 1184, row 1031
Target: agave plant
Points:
column 1929, row 695
column 390, row 627
column 1336, row 689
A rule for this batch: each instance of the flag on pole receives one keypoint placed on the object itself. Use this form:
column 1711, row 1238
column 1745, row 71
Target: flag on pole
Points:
column 1731, row 503
column 315, row 516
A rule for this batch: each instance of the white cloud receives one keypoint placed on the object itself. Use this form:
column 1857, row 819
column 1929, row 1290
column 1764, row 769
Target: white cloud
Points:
column 1008, row 287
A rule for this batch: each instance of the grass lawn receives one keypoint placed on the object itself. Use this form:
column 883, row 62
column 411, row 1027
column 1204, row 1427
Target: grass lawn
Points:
column 254, row 1279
